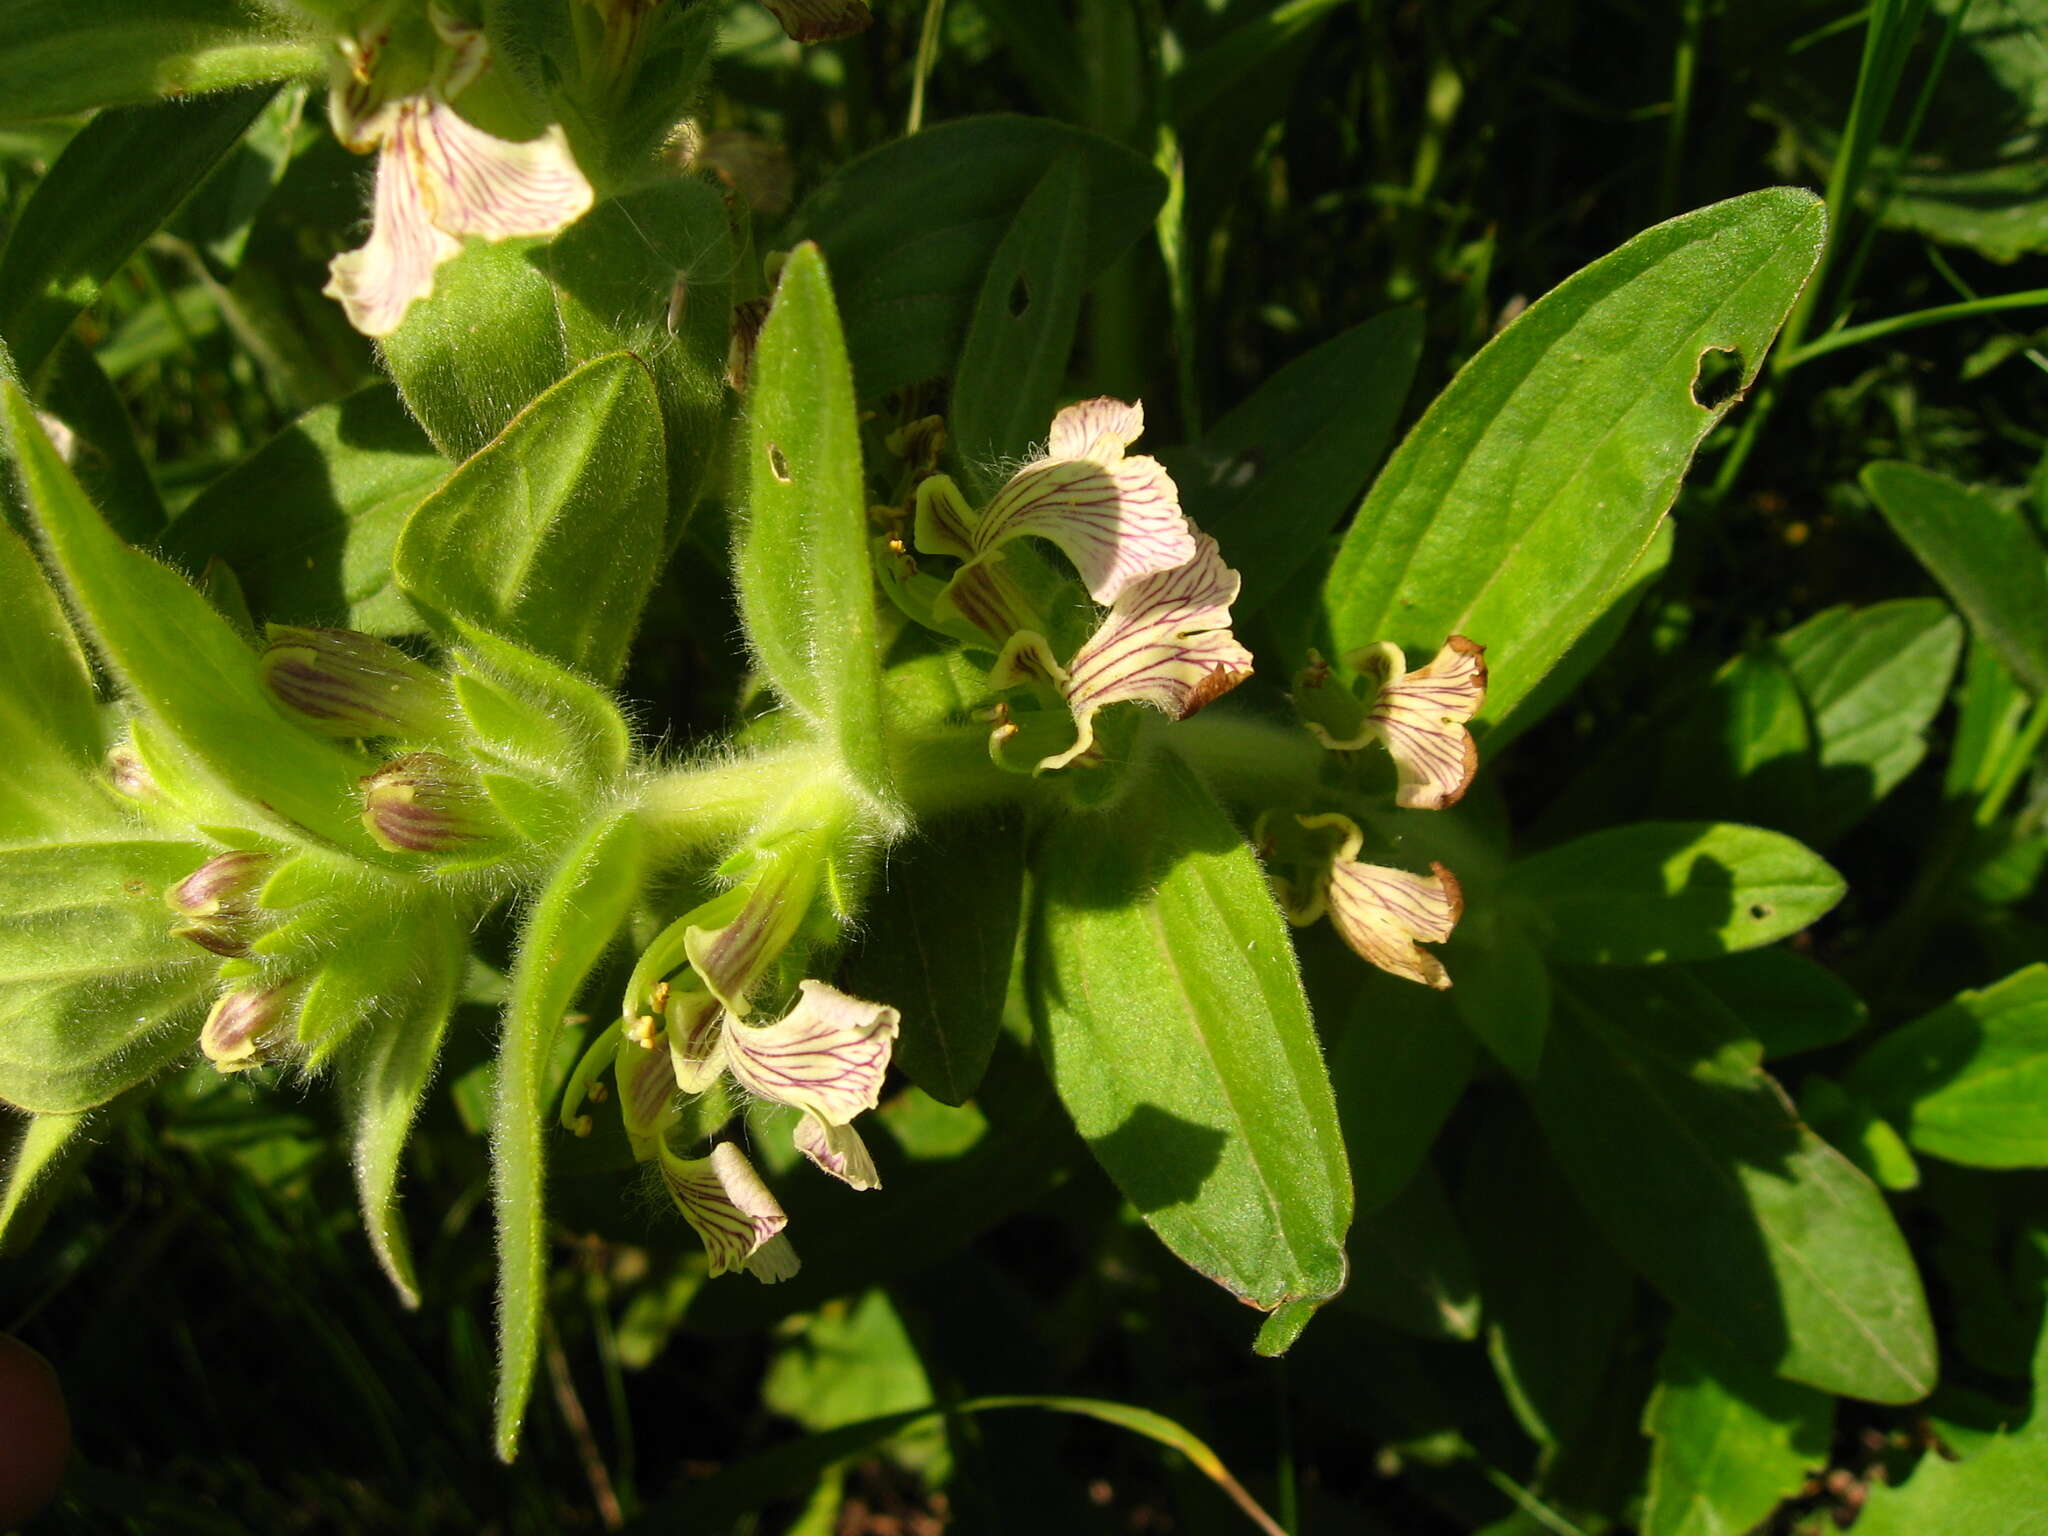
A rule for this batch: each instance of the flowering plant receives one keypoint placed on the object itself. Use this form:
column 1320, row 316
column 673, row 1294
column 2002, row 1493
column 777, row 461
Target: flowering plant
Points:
column 749, row 710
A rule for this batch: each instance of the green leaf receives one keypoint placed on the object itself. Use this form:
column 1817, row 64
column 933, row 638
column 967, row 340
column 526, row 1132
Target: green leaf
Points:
column 471, row 355
column 1502, row 988
column 95, row 993
column 1998, row 1490
column 1788, row 1002
column 1410, row 1267
column 1728, row 1441
column 943, row 922
column 43, row 1146
column 1014, row 361
column 1694, row 1166
column 1985, row 557
column 389, row 1073
column 1212, row 70
column 553, row 534
column 1169, row 1011
column 180, row 658
column 1276, row 474
column 1670, row 890
column 1556, row 1296
column 1969, row 1081
column 1397, row 1070
column 115, row 183
column 1744, row 750
column 351, row 472
column 567, row 928
column 1517, row 506
column 806, row 587
column 48, row 716
column 1866, row 1138
column 652, row 273
column 1873, row 679
column 910, row 230
column 60, row 58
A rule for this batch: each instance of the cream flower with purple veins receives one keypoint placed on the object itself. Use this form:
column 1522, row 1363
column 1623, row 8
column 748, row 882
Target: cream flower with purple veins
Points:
column 439, row 178
column 827, row 1058
column 1165, row 642
column 1382, row 913
column 1117, row 517
column 724, row 1200
column 1420, row 717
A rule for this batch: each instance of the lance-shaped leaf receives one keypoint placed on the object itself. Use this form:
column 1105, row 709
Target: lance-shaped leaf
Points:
column 1015, row 356
column 567, row 928
column 552, row 535
column 1670, row 890
column 59, row 58
column 909, row 301
column 1174, row 1024
column 1984, row 555
column 41, row 1147
column 806, row 585
column 95, row 992
column 48, row 716
column 1728, row 1441
column 196, row 676
column 115, row 183
column 1969, row 1081
column 390, row 1070
column 351, row 472
column 1516, row 507
column 1696, row 1168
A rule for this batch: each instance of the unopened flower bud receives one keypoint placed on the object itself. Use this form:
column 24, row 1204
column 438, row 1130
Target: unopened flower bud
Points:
column 220, row 899
column 340, row 683
column 426, row 803
column 244, row 1024
column 129, row 775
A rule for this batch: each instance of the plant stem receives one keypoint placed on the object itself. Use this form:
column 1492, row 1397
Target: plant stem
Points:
column 1684, row 66
column 927, row 54
column 1856, row 335
column 2019, row 755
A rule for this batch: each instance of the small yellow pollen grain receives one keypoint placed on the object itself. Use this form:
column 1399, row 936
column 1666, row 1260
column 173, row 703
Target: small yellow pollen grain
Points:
column 641, row 1032
column 583, row 1125
column 659, row 996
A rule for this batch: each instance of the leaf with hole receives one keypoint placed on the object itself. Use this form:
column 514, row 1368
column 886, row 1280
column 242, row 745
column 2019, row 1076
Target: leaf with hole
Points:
column 1516, row 508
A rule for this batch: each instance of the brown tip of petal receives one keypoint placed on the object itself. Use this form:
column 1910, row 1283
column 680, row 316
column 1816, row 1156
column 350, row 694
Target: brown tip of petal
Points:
column 1451, row 797
column 1454, row 893
column 1218, row 681
column 1472, row 648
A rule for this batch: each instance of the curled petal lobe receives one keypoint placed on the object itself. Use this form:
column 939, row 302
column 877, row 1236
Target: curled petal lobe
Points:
column 728, row 1206
column 838, row 1150
column 647, row 1092
column 944, row 523
column 1384, row 913
column 1117, row 522
column 1166, row 642
column 1098, row 429
column 731, row 959
column 378, row 282
column 494, row 188
column 827, row 1057
column 1421, row 715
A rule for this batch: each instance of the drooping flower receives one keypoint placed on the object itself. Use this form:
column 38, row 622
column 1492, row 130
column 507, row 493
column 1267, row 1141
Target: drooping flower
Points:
column 1165, row 640
column 724, row 1200
column 1418, row 716
column 1382, row 913
column 820, row 21
column 439, row 177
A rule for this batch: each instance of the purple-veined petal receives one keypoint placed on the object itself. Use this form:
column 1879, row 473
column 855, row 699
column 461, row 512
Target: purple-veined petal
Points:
column 774, row 1261
column 1165, row 642
column 246, row 1024
column 1099, row 429
column 730, row 960
column 819, row 21
column 696, row 1038
column 838, row 1150
column 1384, row 913
column 647, row 1092
column 827, row 1056
column 724, row 1200
column 1117, row 522
column 378, row 281
column 943, row 523
column 1421, row 716
column 493, row 188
